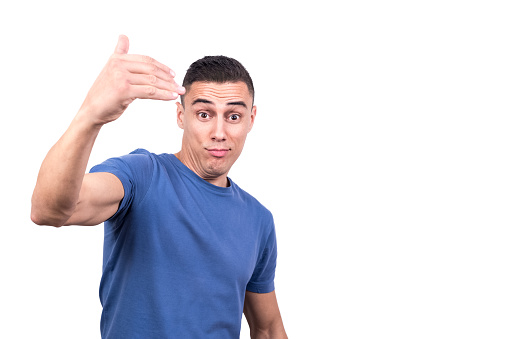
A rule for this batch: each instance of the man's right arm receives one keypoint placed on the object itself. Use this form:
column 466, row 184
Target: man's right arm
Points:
column 63, row 194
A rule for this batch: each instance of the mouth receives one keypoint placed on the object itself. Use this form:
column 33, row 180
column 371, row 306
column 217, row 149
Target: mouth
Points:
column 218, row 152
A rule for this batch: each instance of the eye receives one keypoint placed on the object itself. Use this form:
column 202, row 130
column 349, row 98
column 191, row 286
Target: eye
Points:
column 234, row 117
column 203, row 115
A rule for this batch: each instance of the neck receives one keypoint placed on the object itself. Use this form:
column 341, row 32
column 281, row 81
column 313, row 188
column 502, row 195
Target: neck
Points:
column 187, row 160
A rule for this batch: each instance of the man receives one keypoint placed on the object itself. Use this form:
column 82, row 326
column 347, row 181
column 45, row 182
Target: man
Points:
column 185, row 249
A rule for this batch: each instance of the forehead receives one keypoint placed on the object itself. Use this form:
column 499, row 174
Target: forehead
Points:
column 218, row 92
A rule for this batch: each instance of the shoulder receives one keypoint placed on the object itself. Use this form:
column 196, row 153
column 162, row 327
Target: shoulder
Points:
column 138, row 158
column 253, row 203
column 138, row 164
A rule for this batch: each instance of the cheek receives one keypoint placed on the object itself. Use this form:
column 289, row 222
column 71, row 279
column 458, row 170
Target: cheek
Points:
column 239, row 137
column 196, row 132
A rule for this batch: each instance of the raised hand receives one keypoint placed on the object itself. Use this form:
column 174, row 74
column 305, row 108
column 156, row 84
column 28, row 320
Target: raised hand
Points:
column 63, row 193
column 127, row 77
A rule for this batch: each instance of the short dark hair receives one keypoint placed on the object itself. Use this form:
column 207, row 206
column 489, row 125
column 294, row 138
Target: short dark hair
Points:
column 219, row 69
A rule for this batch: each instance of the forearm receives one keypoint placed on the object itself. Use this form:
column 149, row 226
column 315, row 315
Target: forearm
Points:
column 61, row 174
column 276, row 331
column 124, row 79
column 263, row 316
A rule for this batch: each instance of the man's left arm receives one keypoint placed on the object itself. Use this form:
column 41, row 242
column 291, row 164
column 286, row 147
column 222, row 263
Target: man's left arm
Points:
column 262, row 313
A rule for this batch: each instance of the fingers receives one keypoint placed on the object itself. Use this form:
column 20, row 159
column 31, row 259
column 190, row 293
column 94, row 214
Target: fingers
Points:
column 146, row 77
column 152, row 92
column 150, row 80
column 122, row 46
column 146, row 60
column 147, row 68
column 142, row 64
column 145, row 72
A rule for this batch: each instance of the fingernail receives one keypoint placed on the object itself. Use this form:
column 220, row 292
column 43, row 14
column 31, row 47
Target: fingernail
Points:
column 173, row 74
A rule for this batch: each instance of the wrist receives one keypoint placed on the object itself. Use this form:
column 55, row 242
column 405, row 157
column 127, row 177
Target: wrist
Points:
column 84, row 118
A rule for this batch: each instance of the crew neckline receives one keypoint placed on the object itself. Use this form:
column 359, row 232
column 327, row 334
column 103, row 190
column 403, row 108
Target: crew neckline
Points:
column 196, row 178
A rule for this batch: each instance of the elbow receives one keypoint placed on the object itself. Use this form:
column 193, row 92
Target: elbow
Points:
column 44, row 218
column 49, row 210
column 44, row 221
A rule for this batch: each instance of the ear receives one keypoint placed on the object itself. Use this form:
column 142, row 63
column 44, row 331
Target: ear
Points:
column 179, row 114
column 252, row 116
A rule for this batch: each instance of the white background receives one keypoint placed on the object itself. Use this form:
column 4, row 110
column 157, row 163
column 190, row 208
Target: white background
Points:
column 380, row 146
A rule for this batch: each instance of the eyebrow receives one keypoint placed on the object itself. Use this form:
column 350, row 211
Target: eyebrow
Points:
column 205, row 101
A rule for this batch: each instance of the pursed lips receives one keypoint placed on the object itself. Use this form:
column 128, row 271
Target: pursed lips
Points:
column 218, row 152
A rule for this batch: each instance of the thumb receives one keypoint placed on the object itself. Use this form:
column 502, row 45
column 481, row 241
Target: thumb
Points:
column 122, row 46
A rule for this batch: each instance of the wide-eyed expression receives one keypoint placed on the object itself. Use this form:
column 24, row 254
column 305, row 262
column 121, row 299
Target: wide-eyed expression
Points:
column 216, row 118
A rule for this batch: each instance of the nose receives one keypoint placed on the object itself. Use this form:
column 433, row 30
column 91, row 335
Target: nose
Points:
column 219, row 131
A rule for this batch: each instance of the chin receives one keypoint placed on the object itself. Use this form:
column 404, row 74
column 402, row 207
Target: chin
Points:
column 216, row 170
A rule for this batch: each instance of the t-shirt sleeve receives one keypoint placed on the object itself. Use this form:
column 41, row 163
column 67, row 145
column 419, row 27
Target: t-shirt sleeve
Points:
column 134, row 171
column 262, row 280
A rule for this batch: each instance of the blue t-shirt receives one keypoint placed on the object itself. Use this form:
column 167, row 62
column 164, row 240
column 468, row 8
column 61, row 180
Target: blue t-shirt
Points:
column 180, row 252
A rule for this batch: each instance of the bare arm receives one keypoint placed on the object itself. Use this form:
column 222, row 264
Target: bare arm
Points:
column 262, row 313
column 99, row 198
column 63, row 193
column 60, row 178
